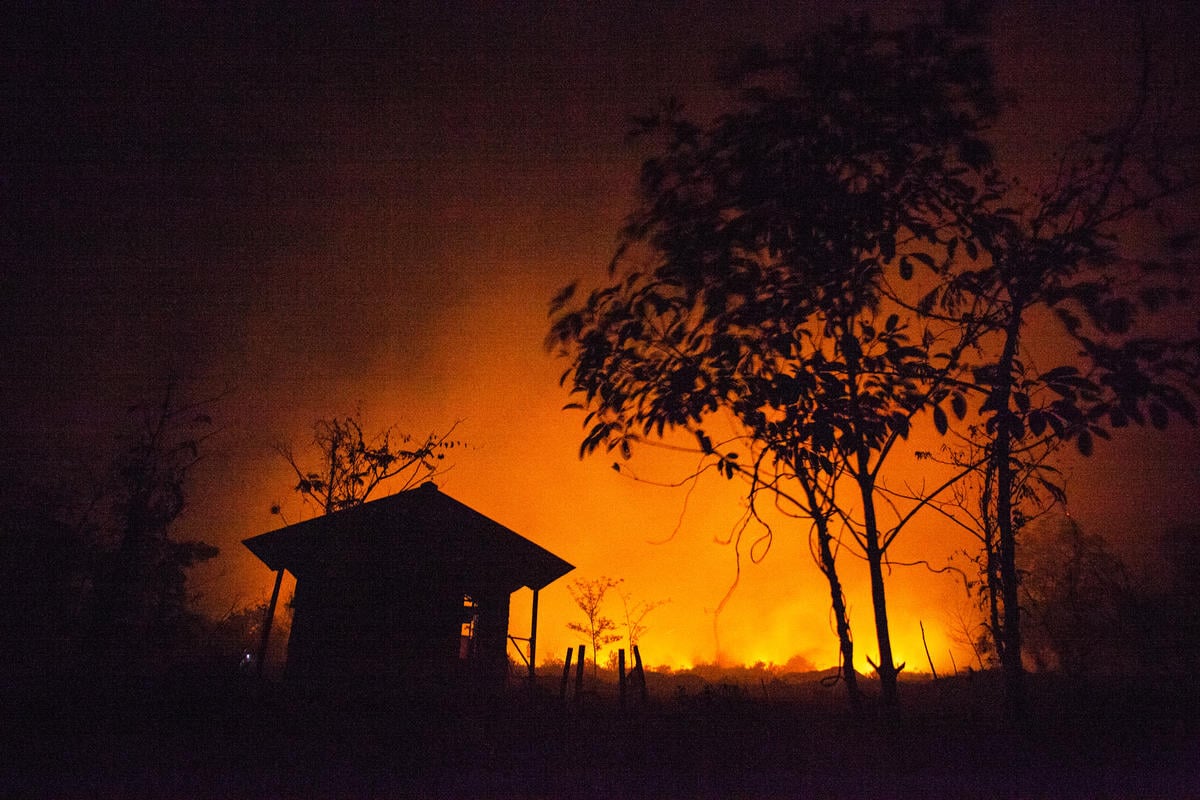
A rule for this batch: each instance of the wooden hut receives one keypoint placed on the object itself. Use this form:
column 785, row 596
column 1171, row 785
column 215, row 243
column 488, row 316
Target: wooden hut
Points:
column 408, row 590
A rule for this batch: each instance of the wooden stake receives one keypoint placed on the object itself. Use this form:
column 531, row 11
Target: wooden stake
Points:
column 641, row 673
column 579, row 672
column 566, row 676
column 621, row 674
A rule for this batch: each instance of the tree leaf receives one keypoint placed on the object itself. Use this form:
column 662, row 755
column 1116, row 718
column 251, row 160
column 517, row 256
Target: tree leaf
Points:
column 958, row 404
column 1037, row 422
column 939, row 420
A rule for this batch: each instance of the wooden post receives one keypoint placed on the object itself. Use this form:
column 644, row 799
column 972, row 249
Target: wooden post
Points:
column 641, row 674
column 621, row 674
column 270, row 619
column 533, row 641
column 566, row 676
column 579, row 671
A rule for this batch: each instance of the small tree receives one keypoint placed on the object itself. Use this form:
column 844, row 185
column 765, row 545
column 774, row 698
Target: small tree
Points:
column 1071, row 592
column 971, row 504
column 601, row 630
column 350, row 465
column 636, row 612
column 968, row 629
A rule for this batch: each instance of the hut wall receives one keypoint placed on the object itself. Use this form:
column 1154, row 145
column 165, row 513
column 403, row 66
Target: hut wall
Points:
column 391, row 631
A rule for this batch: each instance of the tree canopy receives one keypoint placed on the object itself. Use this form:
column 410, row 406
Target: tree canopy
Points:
column 753, row 274
column 349, row 465
column 837, row 257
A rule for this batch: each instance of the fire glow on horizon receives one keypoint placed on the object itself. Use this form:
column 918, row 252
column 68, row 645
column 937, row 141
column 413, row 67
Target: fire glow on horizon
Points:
column 521, row 468
column 381, row 223
column 665, row 543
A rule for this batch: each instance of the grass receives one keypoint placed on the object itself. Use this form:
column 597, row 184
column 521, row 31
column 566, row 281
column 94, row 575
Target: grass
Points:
column 203, row 736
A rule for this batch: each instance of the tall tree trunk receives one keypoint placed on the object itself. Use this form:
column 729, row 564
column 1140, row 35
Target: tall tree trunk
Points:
column 1010, row 653
column 994, row 592
column 887, row 669
column 991, row 564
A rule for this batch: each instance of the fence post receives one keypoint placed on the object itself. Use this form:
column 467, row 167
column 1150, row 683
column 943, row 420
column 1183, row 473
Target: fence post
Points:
column 621, row 674
column 641, row 673
column 566, row 676
column 579, row 672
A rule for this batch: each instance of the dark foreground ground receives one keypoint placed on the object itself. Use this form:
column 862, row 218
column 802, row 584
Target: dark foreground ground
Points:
column 234, row 738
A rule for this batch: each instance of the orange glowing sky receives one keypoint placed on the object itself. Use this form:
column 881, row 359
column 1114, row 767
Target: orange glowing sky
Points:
column 328, row 213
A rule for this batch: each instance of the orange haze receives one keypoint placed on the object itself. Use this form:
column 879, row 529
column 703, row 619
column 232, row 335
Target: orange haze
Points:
column 308, row 208
column 471, row 172
column 521, row 469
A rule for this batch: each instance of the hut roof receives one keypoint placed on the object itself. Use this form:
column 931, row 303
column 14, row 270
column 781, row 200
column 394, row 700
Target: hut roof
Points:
column 418, row 529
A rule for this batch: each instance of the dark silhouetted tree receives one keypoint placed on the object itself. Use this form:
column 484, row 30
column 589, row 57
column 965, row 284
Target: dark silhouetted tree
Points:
column 971, row 504
column 751, row 280
column 1055, row 256
column 349, row 465
column 141, row 604
column 600, row 630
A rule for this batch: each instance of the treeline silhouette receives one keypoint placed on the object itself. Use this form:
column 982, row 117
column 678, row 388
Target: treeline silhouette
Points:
column 94, row 578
